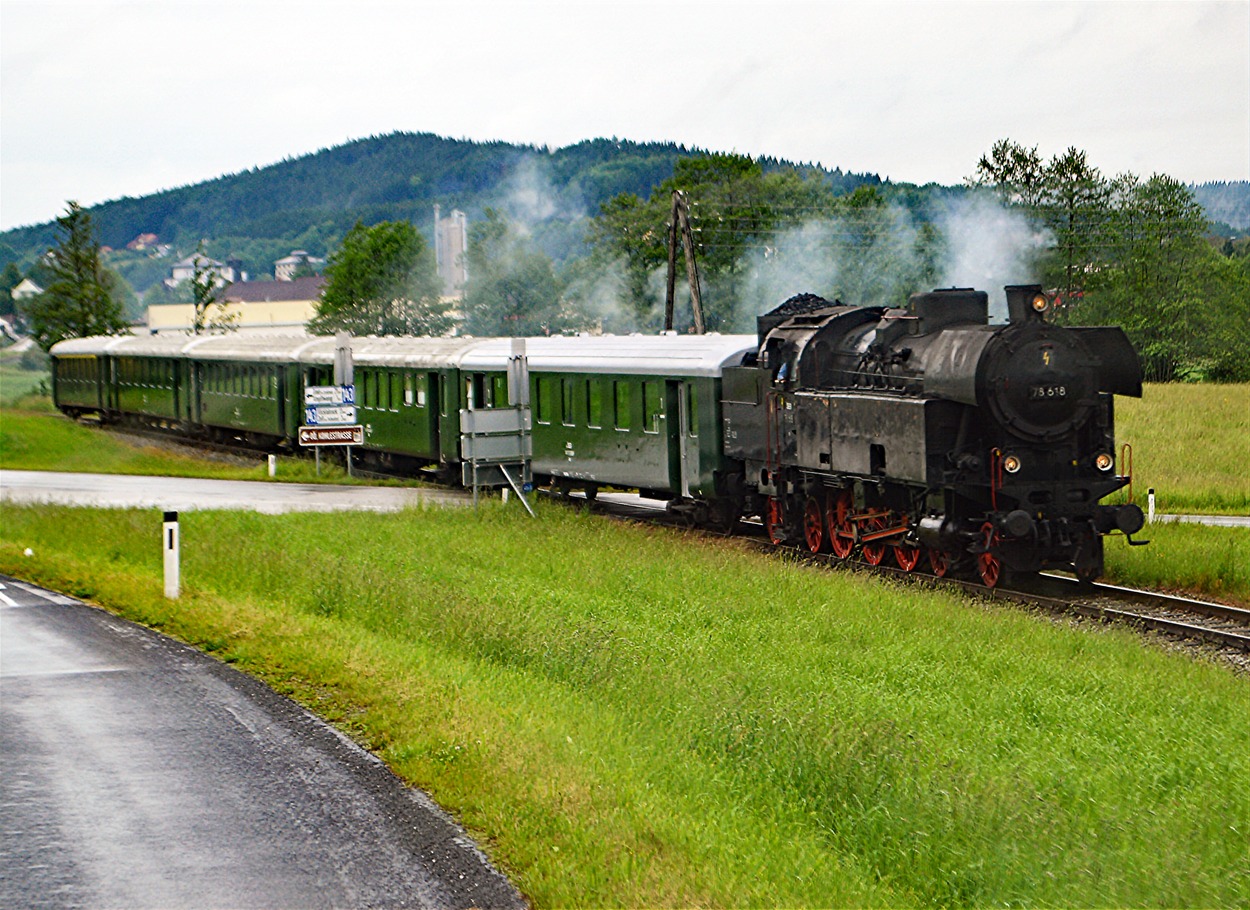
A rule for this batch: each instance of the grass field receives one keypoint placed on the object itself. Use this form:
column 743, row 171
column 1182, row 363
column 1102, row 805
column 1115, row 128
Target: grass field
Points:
column 626, row 716
column 35, row 436
column 1185, row 558
column 1191, row 443
column 16, row 383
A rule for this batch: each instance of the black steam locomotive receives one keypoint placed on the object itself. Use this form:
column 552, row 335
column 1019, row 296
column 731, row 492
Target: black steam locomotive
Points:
column 927, row 431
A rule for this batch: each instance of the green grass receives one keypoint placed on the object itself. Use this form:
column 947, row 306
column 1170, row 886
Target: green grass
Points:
column 34, row 436
column 625, row 716
column 1187, row 558
column 1191, row 443
column 16, row 383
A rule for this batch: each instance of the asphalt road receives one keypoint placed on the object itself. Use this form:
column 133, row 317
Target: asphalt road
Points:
column 182, row 494
column 136, row 772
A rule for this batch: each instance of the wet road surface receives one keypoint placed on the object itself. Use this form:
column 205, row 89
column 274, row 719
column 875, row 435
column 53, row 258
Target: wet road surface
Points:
column 136, row 772
column 186, row 493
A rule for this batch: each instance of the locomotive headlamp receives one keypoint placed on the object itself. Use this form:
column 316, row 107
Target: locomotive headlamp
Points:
column 1104, row 462
column 1040, row 303
column 1011, row 464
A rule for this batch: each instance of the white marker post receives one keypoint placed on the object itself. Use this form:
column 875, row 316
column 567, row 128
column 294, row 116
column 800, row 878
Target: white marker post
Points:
column 1150, row 506
column 171, row 544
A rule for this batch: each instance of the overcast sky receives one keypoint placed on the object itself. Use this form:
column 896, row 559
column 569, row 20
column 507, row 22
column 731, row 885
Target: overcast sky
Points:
column 107, row 98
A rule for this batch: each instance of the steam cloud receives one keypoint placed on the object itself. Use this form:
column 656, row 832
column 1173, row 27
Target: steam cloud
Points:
column 874, row 258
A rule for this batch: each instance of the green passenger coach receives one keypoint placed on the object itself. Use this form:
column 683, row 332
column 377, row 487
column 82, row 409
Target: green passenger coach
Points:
column 631, row 411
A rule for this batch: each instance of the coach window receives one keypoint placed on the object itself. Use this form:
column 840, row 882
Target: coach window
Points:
column 621, row 397
column 396, row 391
column 652, row 406
column 692, row 410
column 546, row 396
column 499, row 384
column 594, row 403
column 448, row 396
column 421, row 381
column 384, row 391
column 566, row 402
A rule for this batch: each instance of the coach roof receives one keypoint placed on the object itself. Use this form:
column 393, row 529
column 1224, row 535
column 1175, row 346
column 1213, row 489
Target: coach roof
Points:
column 665, row 355
column 651, row 355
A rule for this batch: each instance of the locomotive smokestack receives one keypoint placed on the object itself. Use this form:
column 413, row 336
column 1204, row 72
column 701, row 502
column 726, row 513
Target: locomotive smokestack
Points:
column 1025, row 302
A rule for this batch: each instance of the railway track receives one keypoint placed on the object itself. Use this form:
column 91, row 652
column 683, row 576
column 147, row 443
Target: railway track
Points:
column 1218, row 624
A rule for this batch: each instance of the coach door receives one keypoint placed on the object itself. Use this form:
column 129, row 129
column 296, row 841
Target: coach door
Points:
column 683, row 448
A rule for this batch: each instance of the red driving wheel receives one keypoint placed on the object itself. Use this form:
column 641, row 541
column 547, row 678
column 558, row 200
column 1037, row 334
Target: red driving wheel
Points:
column 906, row 556
column 838, row 520
column 873, row 552
column 813, row 526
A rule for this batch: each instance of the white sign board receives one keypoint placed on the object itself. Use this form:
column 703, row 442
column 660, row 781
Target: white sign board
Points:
column 329, row 415
column 330, row 394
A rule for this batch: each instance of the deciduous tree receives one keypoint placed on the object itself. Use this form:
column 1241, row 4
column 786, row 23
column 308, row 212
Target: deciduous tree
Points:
column 1132, row 252
column 210, row 314
column 382, row 280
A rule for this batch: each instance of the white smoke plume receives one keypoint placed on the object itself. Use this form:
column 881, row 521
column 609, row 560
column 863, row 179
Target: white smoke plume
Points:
column 530, row 196
column 866, row 258
column 880, row 257
column 988, row 247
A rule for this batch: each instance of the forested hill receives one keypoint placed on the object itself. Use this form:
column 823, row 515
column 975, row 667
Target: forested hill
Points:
column 310, row 202
column 1226, row 203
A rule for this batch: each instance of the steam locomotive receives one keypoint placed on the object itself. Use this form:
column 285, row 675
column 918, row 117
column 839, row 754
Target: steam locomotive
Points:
column 926, row 430
column 921, row 431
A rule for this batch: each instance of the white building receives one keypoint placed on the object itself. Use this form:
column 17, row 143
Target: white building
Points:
column 285, row 268
column 223, row 272
column 25, row 289
column 451, row 241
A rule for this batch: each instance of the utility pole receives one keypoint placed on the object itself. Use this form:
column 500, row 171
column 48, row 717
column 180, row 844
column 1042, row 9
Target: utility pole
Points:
column 679, row 219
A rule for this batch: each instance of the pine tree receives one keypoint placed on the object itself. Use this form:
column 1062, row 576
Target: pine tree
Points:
column 79, row 301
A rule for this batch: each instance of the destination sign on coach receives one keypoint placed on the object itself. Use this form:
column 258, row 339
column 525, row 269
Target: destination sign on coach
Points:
column 330, row 394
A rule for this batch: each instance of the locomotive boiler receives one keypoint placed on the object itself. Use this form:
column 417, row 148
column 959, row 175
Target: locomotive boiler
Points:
column 925, row 431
